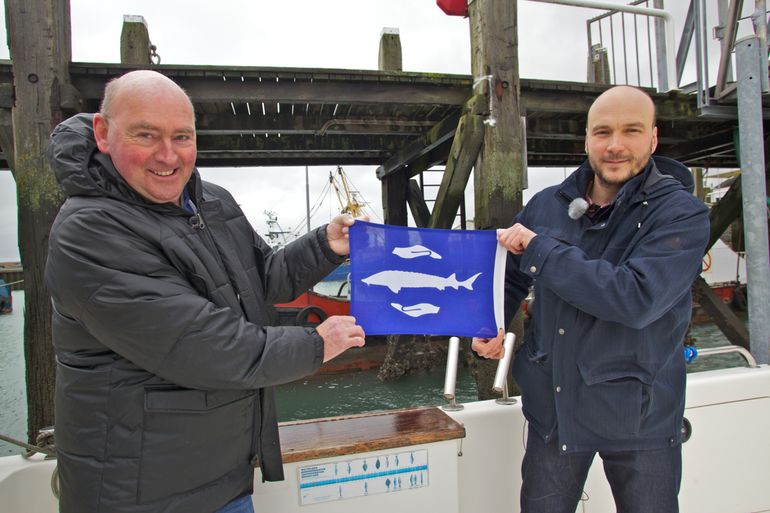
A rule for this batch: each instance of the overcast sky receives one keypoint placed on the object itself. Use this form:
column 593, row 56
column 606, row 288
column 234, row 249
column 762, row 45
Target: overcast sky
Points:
column 334, row 34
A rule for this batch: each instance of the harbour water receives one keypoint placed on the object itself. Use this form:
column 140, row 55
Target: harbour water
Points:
column 324, row 396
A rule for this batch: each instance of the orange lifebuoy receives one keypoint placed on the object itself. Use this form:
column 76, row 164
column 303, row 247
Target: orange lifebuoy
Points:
column 706, row 263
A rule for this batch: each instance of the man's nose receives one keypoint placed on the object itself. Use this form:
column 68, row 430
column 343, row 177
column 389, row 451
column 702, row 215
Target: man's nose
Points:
column 615, row 143
column 166, row 153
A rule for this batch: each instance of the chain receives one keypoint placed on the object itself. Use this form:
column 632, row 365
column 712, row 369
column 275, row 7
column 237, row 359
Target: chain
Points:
column 154, row 57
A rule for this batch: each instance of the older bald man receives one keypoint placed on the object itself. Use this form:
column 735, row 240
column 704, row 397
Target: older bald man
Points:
column 161, row 289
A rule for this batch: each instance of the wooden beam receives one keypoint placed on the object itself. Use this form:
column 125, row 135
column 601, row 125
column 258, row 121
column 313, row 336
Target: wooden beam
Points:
column 216, row 90
column 443, row 131
column 723, row 317
column 465, row 148
column 134, row 41
column 384, row 144
column 287, row 123
column 417, row 205
column 273, row 159
column 436, row 156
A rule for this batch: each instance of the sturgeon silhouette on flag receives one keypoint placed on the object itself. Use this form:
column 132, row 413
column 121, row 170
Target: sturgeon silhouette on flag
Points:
column 425, row 281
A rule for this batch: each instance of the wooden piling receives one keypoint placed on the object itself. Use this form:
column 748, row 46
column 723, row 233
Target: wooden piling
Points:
column 390, row 50
column 39, row 41
column 134, row 41
column 498, row 174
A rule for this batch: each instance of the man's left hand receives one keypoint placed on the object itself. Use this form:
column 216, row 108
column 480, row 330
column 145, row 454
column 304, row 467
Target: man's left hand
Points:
column 337, row 233
column 516, row 238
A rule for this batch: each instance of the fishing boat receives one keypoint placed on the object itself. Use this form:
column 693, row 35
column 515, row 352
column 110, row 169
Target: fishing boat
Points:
column 6, row 299
column 469, row 459
column 331, row 296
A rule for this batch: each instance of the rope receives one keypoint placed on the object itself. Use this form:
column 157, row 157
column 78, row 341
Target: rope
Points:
column 29, row 447
column 30, row 450
column 491, row 121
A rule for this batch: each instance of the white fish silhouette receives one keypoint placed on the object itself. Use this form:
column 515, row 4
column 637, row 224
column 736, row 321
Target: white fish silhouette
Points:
column 417, row 310
column 397, row 280
column 416, row 252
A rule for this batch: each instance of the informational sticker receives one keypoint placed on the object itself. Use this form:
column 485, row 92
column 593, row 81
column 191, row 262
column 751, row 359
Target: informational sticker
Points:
column 385, row 473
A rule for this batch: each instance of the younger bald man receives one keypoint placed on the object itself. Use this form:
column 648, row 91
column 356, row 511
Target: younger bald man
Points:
column 612, row 253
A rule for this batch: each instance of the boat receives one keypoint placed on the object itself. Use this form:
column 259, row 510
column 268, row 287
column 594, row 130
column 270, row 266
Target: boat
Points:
column 6, row 299
column 468, row 460
column 725, row 271
column 331, row 296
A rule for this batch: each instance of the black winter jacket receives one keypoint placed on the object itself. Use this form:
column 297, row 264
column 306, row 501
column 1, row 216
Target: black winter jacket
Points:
column 164, row 353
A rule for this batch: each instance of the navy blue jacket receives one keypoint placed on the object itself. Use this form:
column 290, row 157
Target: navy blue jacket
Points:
column 602, row 364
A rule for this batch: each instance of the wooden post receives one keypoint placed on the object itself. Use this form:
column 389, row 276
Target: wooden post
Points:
column 134, row 41
column 598, row 65
column 494, row 52
column 499, row 171
column 394, row 191
column 700, row 191
column 39, row 41
column 390, row 50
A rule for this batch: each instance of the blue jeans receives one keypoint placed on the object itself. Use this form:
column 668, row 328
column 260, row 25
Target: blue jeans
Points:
column 240, row 505
column 641, row 481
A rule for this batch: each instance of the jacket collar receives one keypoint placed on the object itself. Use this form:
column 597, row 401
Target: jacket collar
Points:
column 651, row 182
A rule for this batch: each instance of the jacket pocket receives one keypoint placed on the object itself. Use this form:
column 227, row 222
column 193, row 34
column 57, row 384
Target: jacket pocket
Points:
column 191, row 438
column 532, row 373
column 82, row 394
column 612, row 399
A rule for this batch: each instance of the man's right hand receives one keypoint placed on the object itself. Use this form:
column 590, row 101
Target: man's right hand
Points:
column 489, row 347
column 340, row 332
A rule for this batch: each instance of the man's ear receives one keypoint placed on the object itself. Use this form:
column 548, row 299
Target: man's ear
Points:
column 101, row 129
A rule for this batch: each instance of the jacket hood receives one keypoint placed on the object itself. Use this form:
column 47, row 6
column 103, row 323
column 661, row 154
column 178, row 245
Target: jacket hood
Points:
column 674, row 168
column 82, row 170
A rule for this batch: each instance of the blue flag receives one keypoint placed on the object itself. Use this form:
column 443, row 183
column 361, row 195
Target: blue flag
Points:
column 426, row 281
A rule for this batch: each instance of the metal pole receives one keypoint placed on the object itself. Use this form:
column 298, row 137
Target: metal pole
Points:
column 747, row 52
column 701, row 82
column 719, row 31
column 759, row 19
column 500, row 383
column 450, row 379
column 731, row 28
column 307, row 199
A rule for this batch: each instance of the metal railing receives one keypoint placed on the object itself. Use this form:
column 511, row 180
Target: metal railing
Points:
column 665, row 77
column 609, row 41
column 626, row 47
column 710, row 351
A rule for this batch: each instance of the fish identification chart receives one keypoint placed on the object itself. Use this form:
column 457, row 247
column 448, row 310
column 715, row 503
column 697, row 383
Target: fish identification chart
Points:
column 426, row 281
column 360, row 477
